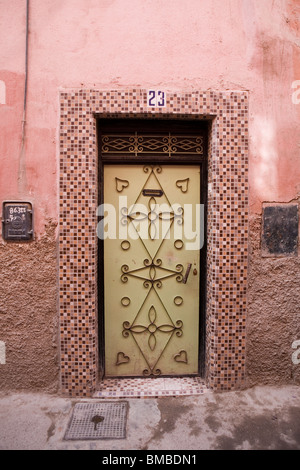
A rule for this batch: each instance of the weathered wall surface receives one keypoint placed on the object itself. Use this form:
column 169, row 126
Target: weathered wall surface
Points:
column 273, row 314
column 28, row 314
column 115, row 44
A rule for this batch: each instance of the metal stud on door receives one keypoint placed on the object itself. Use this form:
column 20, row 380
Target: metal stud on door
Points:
column 151, row 270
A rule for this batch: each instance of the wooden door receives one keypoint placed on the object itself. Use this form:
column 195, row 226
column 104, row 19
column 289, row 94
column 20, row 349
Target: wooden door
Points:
column 151, row 269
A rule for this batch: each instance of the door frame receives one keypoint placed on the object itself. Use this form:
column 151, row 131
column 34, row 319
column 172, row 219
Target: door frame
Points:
column 115, row 125
column 227, row 234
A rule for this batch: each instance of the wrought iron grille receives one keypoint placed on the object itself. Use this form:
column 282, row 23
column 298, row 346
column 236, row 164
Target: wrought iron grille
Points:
column 142, row 145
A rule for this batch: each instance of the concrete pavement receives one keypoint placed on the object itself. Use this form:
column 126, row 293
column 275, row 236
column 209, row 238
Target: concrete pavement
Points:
column 257, row 418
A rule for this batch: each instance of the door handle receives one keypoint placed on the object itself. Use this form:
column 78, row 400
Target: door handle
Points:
column 188, row 269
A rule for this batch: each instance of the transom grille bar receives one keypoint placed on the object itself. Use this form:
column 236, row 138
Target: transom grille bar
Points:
column 142, row 145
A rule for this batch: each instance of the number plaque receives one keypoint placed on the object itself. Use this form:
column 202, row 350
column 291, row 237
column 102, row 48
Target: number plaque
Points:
column 17, row 221
column 156, row 98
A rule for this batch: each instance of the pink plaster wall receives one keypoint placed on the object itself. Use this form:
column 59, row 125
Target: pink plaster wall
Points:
column 179, row 45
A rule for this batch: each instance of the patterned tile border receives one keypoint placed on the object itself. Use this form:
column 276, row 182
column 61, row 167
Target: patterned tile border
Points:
column 227, row 227
column 154, row 388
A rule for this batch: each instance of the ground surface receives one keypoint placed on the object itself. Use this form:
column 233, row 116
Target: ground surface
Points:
column 258, row 418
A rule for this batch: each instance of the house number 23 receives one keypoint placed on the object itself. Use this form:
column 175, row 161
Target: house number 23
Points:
column 156, row 99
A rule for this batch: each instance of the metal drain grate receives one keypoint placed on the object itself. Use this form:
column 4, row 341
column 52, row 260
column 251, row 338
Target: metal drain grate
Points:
column 105, row 420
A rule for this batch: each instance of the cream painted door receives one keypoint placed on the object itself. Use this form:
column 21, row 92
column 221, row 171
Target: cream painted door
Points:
column 151, row 269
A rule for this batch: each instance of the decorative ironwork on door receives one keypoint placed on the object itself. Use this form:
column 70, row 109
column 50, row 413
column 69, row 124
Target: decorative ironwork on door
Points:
column 145, row 144
column 151, row 293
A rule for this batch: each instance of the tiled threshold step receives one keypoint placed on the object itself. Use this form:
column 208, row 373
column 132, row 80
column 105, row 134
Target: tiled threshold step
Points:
column 150, row 387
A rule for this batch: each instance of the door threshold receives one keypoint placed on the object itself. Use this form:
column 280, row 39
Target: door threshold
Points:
column 150, row 388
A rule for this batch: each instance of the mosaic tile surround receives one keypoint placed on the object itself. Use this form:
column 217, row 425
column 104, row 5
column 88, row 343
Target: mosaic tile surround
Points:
column 227, row 227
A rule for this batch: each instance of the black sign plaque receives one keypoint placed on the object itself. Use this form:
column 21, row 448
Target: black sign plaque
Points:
column 17, row 221
column 280, row 230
